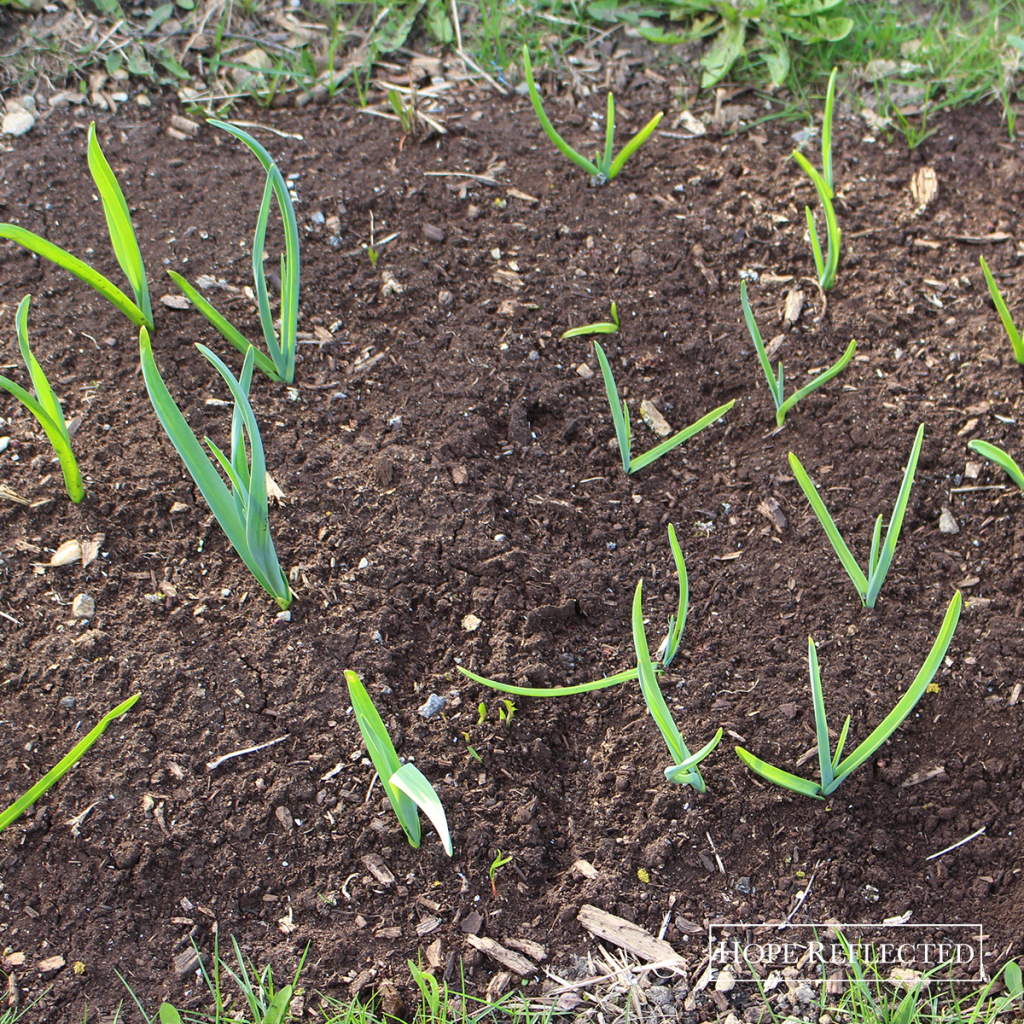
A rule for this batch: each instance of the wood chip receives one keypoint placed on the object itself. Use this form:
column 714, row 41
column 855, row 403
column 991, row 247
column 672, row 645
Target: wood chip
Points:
column 184, row 124
column 924, row 187
column 691, row 123
column 532, row 949
column 186, row 962
column 69, row 551
column 497, row 986
column 688, row 927
column 13, row 960
column 508, row 278
column 472, row 923
column 376, row 866
column 585, row 868
column 794, row 306
column 628, row 936
column 12, row 495
column 772, row 511
column 435, row 957
column 428, row 925
column 651, row 415
column 924, row 775
column 390, row 284
column 989, row 239
column 515, row 962
column 525, row 196
column 729, row 556
column 91, row 549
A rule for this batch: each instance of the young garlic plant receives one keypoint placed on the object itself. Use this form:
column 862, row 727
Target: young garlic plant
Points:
column 882, row 553
column 834, row 771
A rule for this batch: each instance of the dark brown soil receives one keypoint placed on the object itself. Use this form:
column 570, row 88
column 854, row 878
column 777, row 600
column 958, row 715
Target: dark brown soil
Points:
column 441, row 456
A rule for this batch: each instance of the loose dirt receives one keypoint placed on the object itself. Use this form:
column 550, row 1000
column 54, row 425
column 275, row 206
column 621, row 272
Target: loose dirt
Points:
column 444, row 454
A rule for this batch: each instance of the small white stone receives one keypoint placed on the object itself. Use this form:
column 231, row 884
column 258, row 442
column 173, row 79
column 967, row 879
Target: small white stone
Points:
column 283, row 617
column 584, row 371
column 470, row 623
column 725, row 982
column 83, row 607
column 948, row 523
column 17, row 122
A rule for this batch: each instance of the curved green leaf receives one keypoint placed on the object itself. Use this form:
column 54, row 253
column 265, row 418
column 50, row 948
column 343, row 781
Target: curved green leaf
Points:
column 73, row 265
column 415, row 785
column 909, row 700
column 553, row 691
column 677, row 439
column 119, row 224
column 383, row 755
column 634, row 144
column 805, row 787
column 822, row 378
column 1001, row 458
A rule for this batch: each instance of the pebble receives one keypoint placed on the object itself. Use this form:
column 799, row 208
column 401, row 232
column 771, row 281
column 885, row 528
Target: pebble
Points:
column 284, row 816
column 432, row 233
column 17, row 122
column 659, row 995
column 68, row 702
column 725, row 982
column 283, row 617
column 83, row 607
column 432, row 706
column 948, row 523
column 317, row 217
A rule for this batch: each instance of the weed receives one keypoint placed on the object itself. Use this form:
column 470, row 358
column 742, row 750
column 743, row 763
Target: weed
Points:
column 881, row 554
column 834, row 771
column 506, row 713
column 496, row 865
column 606, row 168
column 243, row 512
column 604, row 327
column 46, row 407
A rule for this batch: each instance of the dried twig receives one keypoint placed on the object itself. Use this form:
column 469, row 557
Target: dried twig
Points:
column 214, row 765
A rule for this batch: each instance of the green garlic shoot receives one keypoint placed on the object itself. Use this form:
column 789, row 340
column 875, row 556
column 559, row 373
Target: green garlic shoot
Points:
column 242, row 511
column 684, row 771
column 122, row 239
column 620, row 419
column 603, row 327
column 405, row 785
column 1001, row 458
column 827, row 265
column 776, row 384
column 55, row 774
column 46, row 407
column 1004, row 313
column 278, row 362
column 881, row 554
column 605, row 167
column 834, row 771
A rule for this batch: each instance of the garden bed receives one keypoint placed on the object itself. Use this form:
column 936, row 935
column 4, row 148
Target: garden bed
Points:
column 443, row 455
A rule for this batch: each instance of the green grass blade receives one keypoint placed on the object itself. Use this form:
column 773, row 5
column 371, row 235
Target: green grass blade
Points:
column 291, row 267
column 257, row 518
column 549, row 129
column 835, row 238
column 822, row 378
column 826, row 269
column 609, row 138
column 618, row 417
column 225, row 329
column 674, row 772
column 820, row 717
column 279, row 1006
column 554, row 691
column 383, row 755
column 603, row 327
column 633, row 145
column 1004, row 314
column 805, row 787
column 677, row 439
column 211, row 486
column 774, row 383
column 679, row 622
column 892, row 534
column 259, row 276
column 68, row 462
column 73, row 265
column 238, row 459
column 238, row 488
column 56, row 773
column 831, row 531
column 826, row 129
column 415, row 785
column 47, row 399
column 1001, row 458
column 909, row 700
column 119, row 225
column 653, row 696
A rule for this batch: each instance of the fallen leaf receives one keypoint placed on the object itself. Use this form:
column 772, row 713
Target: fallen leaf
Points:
column 91, row 549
